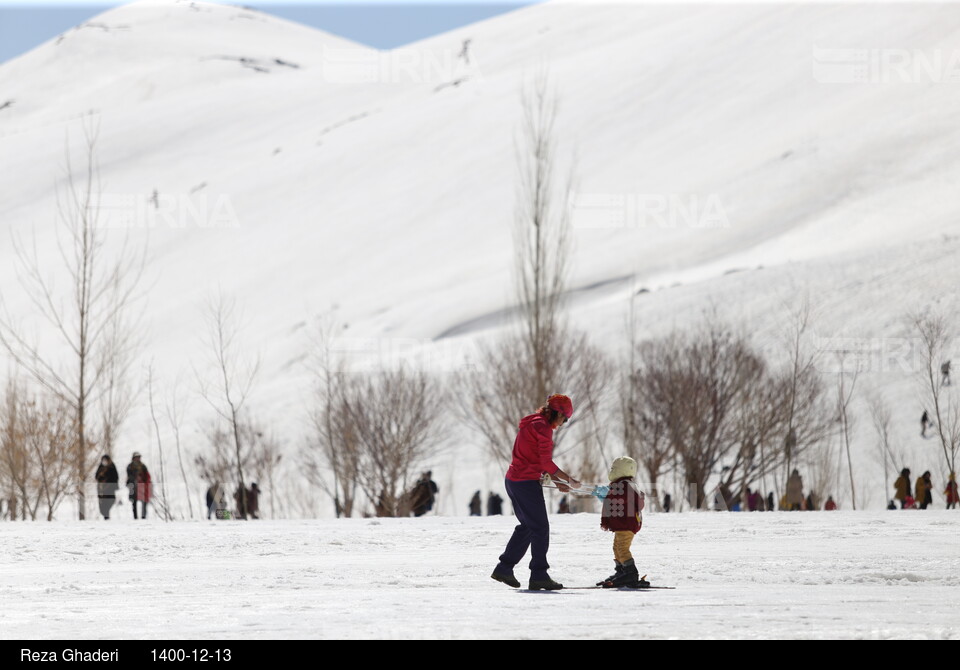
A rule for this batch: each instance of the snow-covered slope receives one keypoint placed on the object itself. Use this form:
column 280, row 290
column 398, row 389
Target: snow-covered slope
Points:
column 381, row 184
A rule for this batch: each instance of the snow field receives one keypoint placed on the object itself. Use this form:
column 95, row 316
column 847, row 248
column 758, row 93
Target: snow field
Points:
column 871, row 575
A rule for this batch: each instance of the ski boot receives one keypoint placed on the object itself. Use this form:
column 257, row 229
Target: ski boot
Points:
column 628, row 577
column 546, row 584
column 618, row 571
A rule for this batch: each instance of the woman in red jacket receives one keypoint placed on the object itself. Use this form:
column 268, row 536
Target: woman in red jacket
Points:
column 532, row 457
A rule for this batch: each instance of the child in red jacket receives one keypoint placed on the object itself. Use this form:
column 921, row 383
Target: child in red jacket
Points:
column 622, row 505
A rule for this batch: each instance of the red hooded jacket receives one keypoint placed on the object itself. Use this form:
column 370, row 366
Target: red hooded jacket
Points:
column 532, row 450
column 622, row 507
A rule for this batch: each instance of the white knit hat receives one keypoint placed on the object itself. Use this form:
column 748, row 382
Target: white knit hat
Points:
column 623, row 467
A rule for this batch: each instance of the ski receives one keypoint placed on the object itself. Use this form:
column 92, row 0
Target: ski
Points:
column 620, row 588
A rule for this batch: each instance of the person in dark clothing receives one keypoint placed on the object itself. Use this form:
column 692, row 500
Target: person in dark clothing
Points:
column 138, row 483
column 771, row 505
column 945, row 374
column 667, row 502
column 924, row 490
column 253, row 501
column 241, row 498
column 494, row 504
column 902, row 487
column 424, row 494
column 216, row 501
column 924, row 423
column 108, row 482
column 476, row 505
column 532, row 459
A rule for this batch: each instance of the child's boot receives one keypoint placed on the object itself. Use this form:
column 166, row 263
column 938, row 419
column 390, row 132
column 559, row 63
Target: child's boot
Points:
column 618, row 570
column 629, row 576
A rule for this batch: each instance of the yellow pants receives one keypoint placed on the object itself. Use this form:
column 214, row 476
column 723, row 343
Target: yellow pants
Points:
column 622, row 539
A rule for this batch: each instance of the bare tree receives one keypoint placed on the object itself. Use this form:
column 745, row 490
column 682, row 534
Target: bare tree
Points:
column 708, row 378
column 935, row 337
column 333, row 446
column 845, row 389
column 35, row 454
column 235, row 376
column 160, row 500
column 88, row 319
column 541, row 231
column 519, row 371
column 397, row 419
column 173, row 412
column 217, row 463
column 643, row 418
column 266, row 459
column 882, row 419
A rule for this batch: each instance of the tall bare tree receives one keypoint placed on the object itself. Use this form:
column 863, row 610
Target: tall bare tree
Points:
column 234, row 375
column 517, row 372
column 333, row 449
column 173, row 412
column 882, row 419
column 541, row 230
column 88, row 318
column 846, row 384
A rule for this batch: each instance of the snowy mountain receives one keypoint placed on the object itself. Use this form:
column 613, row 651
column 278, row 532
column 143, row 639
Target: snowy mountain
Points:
column 736, row 156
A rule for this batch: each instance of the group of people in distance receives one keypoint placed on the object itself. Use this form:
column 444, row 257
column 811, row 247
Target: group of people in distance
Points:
column 139, row 485
column 923, row 490
column 140, row 490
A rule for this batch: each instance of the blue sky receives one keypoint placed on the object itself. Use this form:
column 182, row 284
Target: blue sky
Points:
column 384, row 25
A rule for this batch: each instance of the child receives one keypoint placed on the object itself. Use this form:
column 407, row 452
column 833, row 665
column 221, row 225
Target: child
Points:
column 951, row 491
column 622, row 504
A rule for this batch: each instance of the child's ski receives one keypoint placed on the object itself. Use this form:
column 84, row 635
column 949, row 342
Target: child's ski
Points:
column 620, row 588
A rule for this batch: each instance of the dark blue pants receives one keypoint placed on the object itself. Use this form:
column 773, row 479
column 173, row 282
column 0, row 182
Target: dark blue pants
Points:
column 533, row 532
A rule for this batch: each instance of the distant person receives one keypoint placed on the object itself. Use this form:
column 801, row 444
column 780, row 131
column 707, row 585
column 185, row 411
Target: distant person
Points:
column 667, row 502
column 891, row 505
column 465, row 52
column 108, row 483
column 924, row 490
column 494, row 504
column 795, row 491
column 902, row 487
column 924, row 423
column 253, row 501
column 476, row 505
column 564, row 506
column 424, row 494
column 945, row 374
column 812, row 504
column 754, row 501
column 920, row 489
column 771, row 506
column 831, row 506
column 951, row 491
column 216, row 501
column 139, row 484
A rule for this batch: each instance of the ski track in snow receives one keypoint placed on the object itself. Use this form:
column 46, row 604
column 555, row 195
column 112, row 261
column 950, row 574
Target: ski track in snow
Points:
column 804, row 575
